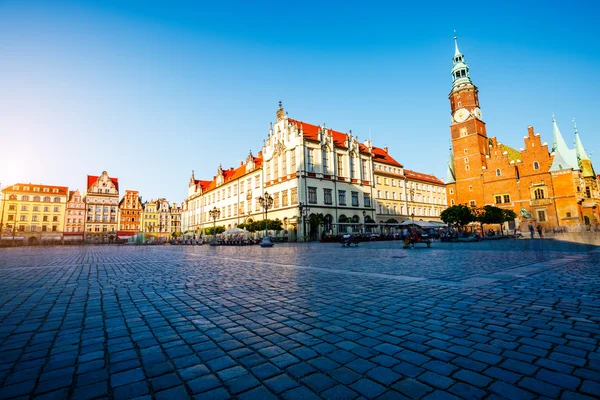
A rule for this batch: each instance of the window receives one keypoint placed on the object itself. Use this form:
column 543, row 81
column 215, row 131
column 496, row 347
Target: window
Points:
column 293, row 160
column 498, row 172
column 54, row 228
column 367, row 199
column 536, row 165
column 340, row 165
column 276, row 168
column 568, row 215
column 268, row 173
column 34, row 218
column 23, row 208
column 25, row 198
column 466, row 151
column 294, row 194
column 541, row 215
column 312, row 195
column 507, row 198
column 257, row 181
column 498, row 199
column 284, row 164
column 57, row 199
column 352, row 169
column 310, row 159
column 355, row 199
column 327, row 198
column 325, row 164
column 539, row 194
column 284, row 198
column 47, row 199
column 588, row 193
column 276, row 200
column 36, row 198
column 23, row 217
column 472, row 203
column 342, row 197
column 364, row 169
column 467, row 168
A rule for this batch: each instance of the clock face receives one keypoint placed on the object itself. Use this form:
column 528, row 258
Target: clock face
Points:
column 461, row 115
column 477, row 113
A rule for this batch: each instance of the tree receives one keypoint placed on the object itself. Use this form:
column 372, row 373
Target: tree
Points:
column 459, row 215
column 495, row 215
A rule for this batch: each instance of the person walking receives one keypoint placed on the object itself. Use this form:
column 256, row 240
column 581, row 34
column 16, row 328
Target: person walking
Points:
column 531, row 230
column 540, row 231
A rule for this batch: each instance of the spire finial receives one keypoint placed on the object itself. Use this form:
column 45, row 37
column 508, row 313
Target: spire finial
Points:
column 575, row 126
column 553, row 119
column 280, row 104
column 456, row 51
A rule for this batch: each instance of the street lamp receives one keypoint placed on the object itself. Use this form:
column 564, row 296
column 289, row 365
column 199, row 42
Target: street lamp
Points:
column 266, row 202
column 364, row 222
column 304, row 210
column 214, row 214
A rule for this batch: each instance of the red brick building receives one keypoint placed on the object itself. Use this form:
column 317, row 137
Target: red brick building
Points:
column 551, row 186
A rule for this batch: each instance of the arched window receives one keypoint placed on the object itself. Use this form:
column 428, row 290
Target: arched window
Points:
column 467, row 168
column 57, row 199
column 452, row 202
column 539, row 193
column 536, row 165
column 451, row 191
column 36, row 198
column 498, row 172
column 47, row 199
column 25, row 198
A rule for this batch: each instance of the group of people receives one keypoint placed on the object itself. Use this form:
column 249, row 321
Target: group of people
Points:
column 532, row 230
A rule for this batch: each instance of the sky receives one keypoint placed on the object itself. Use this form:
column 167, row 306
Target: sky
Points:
column 149, row 91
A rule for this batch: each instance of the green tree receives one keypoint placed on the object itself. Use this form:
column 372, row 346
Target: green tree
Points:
column 495, row 215
column 458, row 215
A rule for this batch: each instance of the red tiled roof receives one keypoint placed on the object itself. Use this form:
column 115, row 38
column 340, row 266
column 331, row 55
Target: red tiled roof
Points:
column 92, row 179
column 64, row 190
column 311, row 132
column 380, row 155
column 422, row 177
column 229, row 175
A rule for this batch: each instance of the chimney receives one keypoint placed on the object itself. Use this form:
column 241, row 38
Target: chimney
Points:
column 385, row 148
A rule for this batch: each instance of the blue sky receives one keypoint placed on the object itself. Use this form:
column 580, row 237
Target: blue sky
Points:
column 149, row 91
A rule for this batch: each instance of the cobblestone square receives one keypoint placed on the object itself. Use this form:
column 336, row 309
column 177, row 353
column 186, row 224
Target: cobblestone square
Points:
column 513, row 319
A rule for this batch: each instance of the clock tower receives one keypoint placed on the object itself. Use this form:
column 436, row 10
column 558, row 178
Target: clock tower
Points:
column 468, row 134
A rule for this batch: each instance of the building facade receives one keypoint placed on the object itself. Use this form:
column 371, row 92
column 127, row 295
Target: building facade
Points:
column 549, row 186
column 101, row 201
column 33, row 213
column 130, row 214
column 74, row 228
column 175, row 219
column 402, row 194
column 322, row 182
column 150, row 218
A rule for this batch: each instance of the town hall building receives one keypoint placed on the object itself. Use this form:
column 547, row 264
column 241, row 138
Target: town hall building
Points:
column 552, row 186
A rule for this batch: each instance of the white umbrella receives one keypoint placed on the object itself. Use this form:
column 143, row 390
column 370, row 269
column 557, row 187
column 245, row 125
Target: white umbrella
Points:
column 234, row 231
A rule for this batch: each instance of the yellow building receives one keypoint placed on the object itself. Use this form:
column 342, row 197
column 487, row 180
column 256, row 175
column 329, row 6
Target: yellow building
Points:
column 402, row 194
column 150, row 218
column 33, row 213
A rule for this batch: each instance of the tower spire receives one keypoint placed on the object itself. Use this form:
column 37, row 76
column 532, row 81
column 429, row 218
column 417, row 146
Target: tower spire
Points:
column 564, row 158
column 450, row 175
column 460, row 69
column 581, row 154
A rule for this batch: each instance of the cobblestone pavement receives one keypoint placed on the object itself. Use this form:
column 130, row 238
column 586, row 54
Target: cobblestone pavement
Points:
column 514, row 319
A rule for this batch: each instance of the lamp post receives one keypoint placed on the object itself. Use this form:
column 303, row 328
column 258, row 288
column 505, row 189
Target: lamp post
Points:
column 266, row 202
column 304, row 210
column 214, row 214
column 364, row 222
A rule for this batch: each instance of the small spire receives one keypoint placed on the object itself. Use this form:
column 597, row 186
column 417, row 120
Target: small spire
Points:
column 456, row 51
column 280, row 104
column 581, row 154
